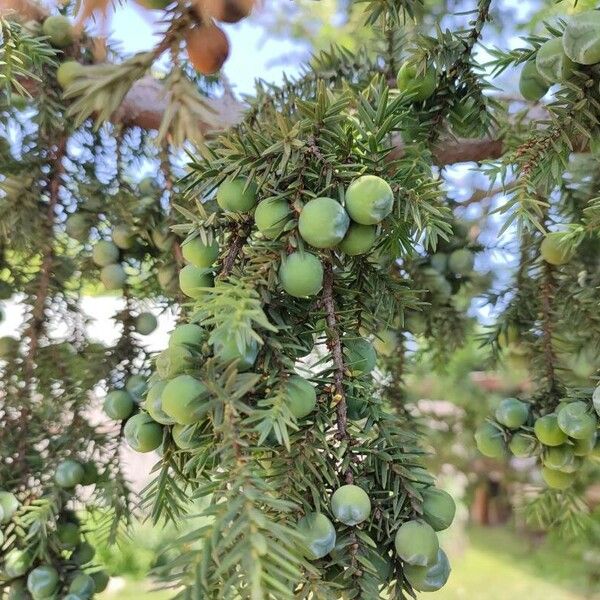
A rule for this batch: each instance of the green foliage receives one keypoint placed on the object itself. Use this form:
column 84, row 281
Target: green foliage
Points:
column 254, row 451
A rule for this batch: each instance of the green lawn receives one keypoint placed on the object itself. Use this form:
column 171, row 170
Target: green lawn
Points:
column 495, row 565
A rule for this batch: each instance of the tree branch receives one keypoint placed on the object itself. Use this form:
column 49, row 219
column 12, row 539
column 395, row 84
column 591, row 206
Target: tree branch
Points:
column 43, row 285
column 335, row 345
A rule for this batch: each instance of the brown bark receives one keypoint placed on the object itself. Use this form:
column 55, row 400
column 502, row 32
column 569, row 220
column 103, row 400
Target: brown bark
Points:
column 335, row 345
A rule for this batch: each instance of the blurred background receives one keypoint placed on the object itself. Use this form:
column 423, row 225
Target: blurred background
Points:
column 497, row 550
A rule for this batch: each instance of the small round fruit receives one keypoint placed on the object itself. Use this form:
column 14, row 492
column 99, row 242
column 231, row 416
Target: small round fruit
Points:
column 319, row 535
column 6, row 290
column 16, row 563
column 8, row 346
column 113, row 277
column 199, row 254
column 490, row 441
column 438, row 508
column 350, row 505
column 532, row 85
column 186, row 437
column 229, row 11
column 552, row 63
column 512, row 413
column 59, row 31
column 83, row 554
column 558, row 480
column 69, row 473
column 8, row 506
column 429, row 579
column 90, row 473
column 82, row 586
column 162, row 238
column 369, row 200
column 237, row 195
column 153, row 404
column 360, row 356
column 271, row 216
column 145, row 323
column 553, row 251
column 207, row 48
column 548, row 432
column 229, row 351
column 68, row 72
column 581, row 41
column 301, row 396
column 439, row 262
column 173, row 361
column 123, row 236
column 42, row 581
column 461, row 261
column 101, row 579
column 18, row 590
column 184, row 399
column 576, row 420
column 416, row 83
column 167, row 278
column 188, row 335
column 584, row 446
column 385, row 342
column 437, row 284
column 142, row 433
column 596, row 400
column 301, row 274
column 521, row 445
column 192, row 280
column 147, row 186
column 137, row 385
column 558, row 457
column 105, row 253
column 323, row 223
column 118, row 405
column 68, row 534
column 417, row 543
column 359, row 239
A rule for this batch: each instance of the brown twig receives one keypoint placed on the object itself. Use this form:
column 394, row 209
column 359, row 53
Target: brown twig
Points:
column 547, row 289
column 239, row 239
column 35, row 329
column 335, row 345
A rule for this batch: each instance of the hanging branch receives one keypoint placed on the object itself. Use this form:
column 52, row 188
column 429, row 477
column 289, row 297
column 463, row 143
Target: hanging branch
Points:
column 36, row 327
column 335, row 346
column 547, row 290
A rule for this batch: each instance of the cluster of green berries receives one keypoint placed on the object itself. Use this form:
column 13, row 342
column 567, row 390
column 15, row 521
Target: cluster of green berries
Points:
column 562, row 440
column 323, row 223
column 557, row 59
column 416, row 544
column 70, row 575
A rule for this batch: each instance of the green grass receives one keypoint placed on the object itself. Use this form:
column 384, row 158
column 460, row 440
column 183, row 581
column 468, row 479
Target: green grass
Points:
column 499, row 565
column 496, row 564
